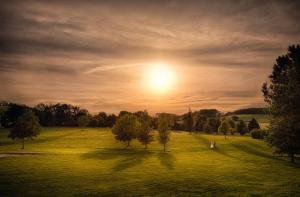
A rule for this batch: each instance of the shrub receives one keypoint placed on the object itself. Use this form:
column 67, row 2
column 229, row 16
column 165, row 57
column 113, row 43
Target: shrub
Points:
column 258, row 133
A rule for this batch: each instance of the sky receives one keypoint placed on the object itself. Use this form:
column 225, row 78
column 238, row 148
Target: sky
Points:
column 97, row 54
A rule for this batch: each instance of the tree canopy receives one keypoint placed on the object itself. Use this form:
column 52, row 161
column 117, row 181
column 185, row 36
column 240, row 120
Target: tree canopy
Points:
column 163, row 130
column 26, row 126
column 282, row 96
column 126, row 128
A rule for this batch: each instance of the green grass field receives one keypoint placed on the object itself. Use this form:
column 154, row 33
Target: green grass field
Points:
column 89, row 162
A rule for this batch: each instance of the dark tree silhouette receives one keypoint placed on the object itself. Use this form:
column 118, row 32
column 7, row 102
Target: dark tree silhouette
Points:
column 188, row 121
column 241, row 127
column 283, row 98
column 253, row 124
column 26, row 127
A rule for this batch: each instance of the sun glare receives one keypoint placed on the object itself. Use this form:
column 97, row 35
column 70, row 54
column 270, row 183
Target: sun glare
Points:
column 160, row 78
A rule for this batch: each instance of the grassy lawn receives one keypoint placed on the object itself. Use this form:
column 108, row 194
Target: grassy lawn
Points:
column 89, row 162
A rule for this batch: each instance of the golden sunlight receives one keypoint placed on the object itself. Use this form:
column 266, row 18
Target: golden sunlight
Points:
column 160, row 77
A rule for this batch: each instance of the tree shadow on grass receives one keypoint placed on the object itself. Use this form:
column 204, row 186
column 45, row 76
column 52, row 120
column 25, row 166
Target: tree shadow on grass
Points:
column 253, row 151
column 224, row 153
column 126, row 158
column 217, row 149
column 167, row 160
column 202, row 139
column 36, row 140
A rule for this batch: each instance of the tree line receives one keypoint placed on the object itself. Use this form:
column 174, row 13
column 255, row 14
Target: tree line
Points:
column 53, row 115
column 61, row 114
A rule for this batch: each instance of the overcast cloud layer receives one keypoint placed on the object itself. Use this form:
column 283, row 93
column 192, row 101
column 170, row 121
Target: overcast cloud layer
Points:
column 93, row 54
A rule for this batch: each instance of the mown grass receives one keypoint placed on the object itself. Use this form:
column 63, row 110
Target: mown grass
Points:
column 89, row 162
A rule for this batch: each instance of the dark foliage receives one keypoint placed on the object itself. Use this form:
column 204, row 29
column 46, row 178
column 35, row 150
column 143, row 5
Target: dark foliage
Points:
column 283, row 98
column 253, row 124
column 241, row 127
column 188, row 121
column 258, row 133
column 26, row 127
column 10, row 112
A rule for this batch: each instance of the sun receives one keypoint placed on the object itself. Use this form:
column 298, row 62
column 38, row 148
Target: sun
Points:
column 160, row 77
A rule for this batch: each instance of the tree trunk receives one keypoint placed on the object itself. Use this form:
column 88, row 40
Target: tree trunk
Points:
column 128, row 144
column 23, row 143
column 292, row 158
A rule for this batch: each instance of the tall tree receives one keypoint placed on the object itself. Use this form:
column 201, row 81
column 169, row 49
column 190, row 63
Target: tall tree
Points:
column 126, row 128
column 26, row 127
column 188, row 121
column 224, row 128
column 283, row 98
column 253, row 124
column 200, row 121
column 144, row 134
column 241, row 127
column 163, row 130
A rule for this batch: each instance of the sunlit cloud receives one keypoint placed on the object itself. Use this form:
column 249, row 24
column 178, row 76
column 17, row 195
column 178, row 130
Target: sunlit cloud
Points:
column 94, row 54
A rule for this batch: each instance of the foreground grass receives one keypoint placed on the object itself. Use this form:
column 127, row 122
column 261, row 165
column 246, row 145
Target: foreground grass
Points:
column 89, row 162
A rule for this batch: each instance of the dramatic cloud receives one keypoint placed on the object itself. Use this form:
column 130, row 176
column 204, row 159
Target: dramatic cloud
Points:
column 94, row 53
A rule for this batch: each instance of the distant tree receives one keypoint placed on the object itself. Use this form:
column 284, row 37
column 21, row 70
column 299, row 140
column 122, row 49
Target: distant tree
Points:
column 283, row 99
column 163, row 130
column 102, row 119
column 11, row 113
column 83, row 121
column 242, row 127
column 26, row 127
column 111, row 120
column 60, row 114
column 230, row 122
column 211, row 125
column 144, row 134
column 93, row 122
column 232, row 126
column 235, row 118
column 199, row 122
column 121, row 113
column 126, row 128
column 207, row 128
column 253, row 124
column 3, row 110
column 188, row 121
column 213, row 113
column 224, row 128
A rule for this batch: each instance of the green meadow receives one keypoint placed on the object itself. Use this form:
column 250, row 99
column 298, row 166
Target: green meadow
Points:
column 89, row 162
